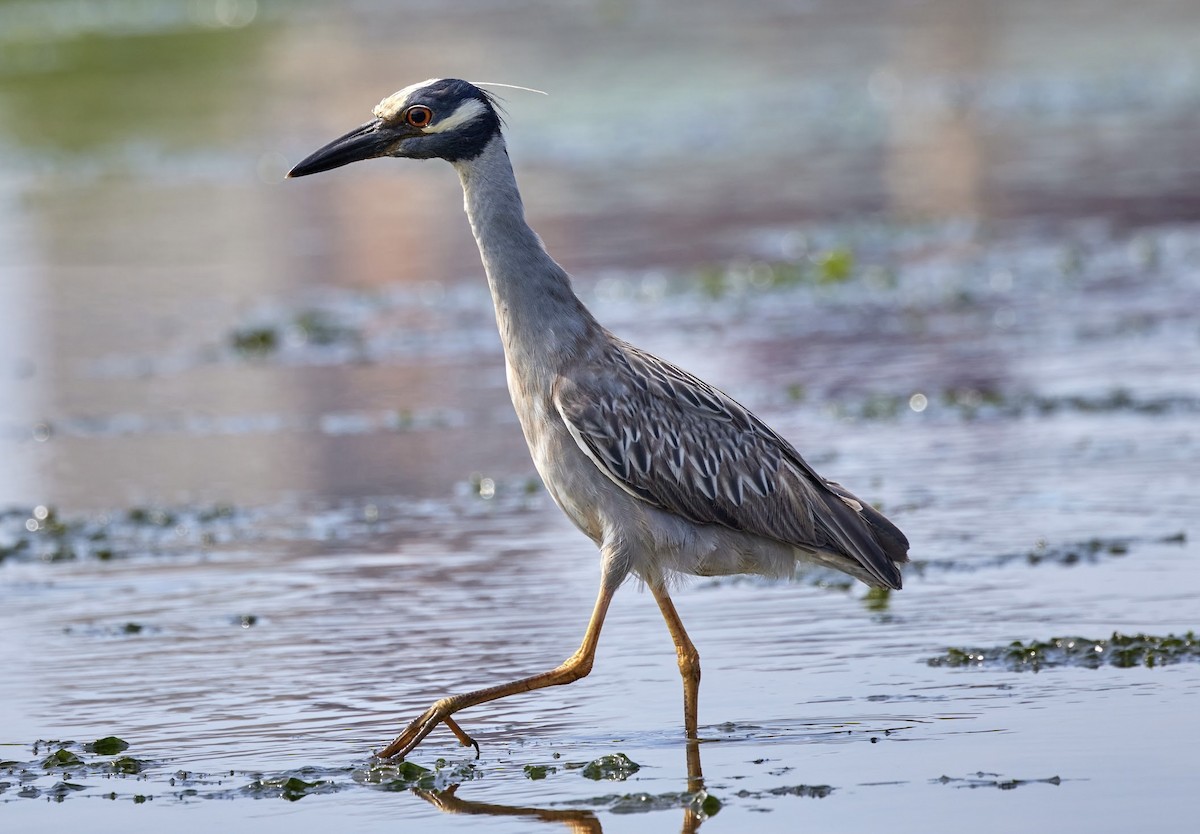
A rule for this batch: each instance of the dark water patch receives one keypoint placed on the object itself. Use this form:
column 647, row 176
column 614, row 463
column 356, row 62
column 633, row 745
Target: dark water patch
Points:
column 993, row 780
column 1123, row 651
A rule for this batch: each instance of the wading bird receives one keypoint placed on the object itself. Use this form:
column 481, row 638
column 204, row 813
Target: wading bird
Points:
column 666, row 474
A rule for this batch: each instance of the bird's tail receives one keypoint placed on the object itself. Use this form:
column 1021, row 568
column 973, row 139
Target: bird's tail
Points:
column 866, row 535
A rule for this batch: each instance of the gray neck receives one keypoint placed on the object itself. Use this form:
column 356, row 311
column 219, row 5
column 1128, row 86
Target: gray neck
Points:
column 542, row 323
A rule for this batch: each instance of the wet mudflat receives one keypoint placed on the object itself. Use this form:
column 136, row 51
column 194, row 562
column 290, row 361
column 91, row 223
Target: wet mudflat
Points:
column 266, row 498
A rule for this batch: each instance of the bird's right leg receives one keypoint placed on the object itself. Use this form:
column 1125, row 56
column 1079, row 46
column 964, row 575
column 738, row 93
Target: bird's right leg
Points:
column 689, row 661
column 572, row 669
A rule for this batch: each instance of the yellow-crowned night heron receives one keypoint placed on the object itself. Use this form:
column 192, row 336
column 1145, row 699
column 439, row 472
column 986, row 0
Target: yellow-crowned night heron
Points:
column 665, row 473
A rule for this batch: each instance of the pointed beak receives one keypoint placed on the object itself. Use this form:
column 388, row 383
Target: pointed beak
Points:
column 373, row 139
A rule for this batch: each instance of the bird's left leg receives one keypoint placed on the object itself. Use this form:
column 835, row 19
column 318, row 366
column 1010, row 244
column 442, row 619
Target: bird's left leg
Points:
column 689, row 660
column 572, row 669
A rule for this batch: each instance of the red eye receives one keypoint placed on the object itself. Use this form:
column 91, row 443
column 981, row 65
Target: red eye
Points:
column 418, row 115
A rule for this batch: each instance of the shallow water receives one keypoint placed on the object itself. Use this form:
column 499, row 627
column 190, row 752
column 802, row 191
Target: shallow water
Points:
column 284, row 503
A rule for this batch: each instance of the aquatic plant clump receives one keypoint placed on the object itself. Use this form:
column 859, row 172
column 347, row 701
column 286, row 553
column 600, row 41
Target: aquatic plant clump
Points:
column 1121, row 650
column 40, row 534
column 615, row 767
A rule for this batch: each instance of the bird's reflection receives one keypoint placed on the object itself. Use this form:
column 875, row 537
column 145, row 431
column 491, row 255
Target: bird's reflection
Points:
column 580, row 822
column 576, row 821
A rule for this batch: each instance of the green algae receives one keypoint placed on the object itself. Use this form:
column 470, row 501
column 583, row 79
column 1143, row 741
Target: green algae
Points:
column 385, row 775
column 615, row 767
column 823, row 268
column 255, row 342
column 700, row 802
column 61, row 758
column 41, row 534
column 1123, row 651
column 288, row 786
column 107, row 746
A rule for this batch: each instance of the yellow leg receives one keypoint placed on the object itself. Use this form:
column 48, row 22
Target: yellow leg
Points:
column 689, row 659
column 571, row 670
column 463, row 739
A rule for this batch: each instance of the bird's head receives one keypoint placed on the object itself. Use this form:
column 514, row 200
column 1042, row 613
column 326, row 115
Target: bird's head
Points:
column 443, row 118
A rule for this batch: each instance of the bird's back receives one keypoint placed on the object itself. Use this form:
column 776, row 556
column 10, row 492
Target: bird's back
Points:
column 671, row 440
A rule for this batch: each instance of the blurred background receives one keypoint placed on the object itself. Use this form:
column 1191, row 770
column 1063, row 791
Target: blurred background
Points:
column 179, row 324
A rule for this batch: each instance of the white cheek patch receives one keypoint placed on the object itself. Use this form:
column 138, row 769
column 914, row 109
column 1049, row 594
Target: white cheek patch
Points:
column 466, row 112
column 392, row 106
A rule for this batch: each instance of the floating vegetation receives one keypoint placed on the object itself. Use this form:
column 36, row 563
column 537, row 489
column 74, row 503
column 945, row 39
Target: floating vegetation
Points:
column 536, row 772
column 60, row 769
column 318, row 327
column 254, row 342
column 826, row 267
column 1075, row 552
column 127, row 629
column 877, row 600
column 40, row 534
column 1121, row 650
column 1065, row 554
column 701, row 802
column 311, row 328
column 384, row 775
column 807, row 791
column 193, row 425
column 291, row 787
column 395, row 777
column 129, row 765
column 615, row 767
column 107, row 746
column 989, row 403
column 61, row 758
column 993, row 780
column 152, row 516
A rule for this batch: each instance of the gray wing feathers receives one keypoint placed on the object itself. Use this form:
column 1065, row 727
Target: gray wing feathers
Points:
column 674, row 441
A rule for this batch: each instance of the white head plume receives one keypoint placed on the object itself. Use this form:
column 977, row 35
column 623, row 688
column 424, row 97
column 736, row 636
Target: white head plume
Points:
column 509, row 86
